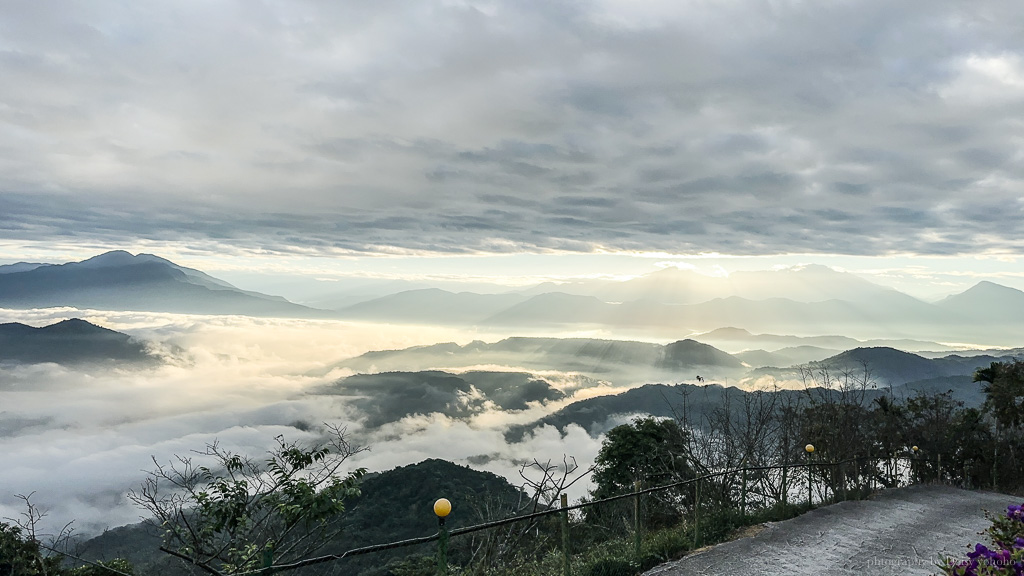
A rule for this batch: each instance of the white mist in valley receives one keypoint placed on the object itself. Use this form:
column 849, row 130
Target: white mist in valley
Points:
column 79, row 439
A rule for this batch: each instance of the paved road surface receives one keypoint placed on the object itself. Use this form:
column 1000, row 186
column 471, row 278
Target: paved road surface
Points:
column 898, row 532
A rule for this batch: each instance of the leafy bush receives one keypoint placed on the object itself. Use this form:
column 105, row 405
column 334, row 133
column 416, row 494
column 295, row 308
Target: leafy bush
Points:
column 665, row 545
column 20, row 556
column 610, row 567
column 230, row 514
column 99, row 569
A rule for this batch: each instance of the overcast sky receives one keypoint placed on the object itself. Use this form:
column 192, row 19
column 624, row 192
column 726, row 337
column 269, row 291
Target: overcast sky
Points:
column 449, row 127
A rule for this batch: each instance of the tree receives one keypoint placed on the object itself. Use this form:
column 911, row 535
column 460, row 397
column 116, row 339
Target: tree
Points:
column 21, row 556
column 1004, row 392
column 648, row 450
column 930, row 421
column 1004, row 400
column 231, row 515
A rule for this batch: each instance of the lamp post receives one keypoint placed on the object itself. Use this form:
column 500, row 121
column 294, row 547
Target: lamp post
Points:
column 442, row 507
column 913, row 465
column 810, row 451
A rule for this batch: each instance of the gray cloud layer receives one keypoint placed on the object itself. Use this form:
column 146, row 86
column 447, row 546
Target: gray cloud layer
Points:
column 742, row 127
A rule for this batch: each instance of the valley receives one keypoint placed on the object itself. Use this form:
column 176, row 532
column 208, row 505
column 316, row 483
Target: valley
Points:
column 150, row 359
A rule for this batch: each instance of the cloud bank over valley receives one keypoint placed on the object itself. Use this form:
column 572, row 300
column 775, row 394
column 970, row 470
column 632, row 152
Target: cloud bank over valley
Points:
column 80, row 438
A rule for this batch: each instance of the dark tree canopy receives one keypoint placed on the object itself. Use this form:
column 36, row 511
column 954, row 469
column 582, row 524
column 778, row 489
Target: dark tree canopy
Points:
column 648, row 450
column 1004, row 391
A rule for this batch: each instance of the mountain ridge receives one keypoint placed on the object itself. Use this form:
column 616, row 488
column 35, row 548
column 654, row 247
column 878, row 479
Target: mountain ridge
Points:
column 72, row 342
column 118, row 280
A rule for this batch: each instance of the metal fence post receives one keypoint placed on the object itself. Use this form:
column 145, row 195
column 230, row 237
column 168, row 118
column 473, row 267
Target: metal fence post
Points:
column 809, row 449
column 268, row 560
column 696, row 516
column 995, row 462
column 566, row 552
column 442, row 507
column 637, row 536
column 442, row 550
column 938, row 468
column 743, row 494
column 842, row 477
column 871, row 472
column 810, row 503
column 785, row 469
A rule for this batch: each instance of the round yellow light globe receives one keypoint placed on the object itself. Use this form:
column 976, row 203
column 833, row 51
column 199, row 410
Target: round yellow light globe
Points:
column 442, row 507
column 914, row 448
column 809, row 448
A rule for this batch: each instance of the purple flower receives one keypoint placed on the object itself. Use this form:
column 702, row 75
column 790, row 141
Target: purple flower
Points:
column 1015, row 512
column 980, row 551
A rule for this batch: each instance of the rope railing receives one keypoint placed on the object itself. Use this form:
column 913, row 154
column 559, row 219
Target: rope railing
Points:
column 443, row 534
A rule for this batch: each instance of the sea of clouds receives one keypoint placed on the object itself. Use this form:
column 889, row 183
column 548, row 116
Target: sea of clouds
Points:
column 78, row 439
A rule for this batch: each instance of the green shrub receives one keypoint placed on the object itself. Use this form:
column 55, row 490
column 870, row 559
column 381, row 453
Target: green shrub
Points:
column 667, row 544
column 118, row 564
column 610, row 567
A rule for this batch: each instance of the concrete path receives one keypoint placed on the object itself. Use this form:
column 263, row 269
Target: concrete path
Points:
column 898, row 532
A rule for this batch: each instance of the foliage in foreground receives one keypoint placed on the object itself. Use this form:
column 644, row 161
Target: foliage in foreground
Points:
column 21, row 555
column 234, row 512
column 1006, row 555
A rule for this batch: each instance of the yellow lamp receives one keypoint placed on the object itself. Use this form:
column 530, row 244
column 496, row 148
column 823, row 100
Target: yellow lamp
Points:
column 809, row 448
column 914, row 448
column 442, row 507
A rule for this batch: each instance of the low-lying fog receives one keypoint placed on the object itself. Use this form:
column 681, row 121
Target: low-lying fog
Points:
column 79, row 439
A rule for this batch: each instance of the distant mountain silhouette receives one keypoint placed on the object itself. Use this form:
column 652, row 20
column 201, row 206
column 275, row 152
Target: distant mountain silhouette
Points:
column 889, row 366
column 808, row 283
column 600, row 358
column 806, row 300
column 986, row 302
column 390, row 396
column 889, row 310
column 120, row 281
column 432, row 305
column 553, row 308
column 72, row 341
column 783, row 357
column 20, row 267
column 361, row 290
column 732, row 338
column 686, row 353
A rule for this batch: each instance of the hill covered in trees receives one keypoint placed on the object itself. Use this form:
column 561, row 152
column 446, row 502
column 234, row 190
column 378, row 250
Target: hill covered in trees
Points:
column 71, row 341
